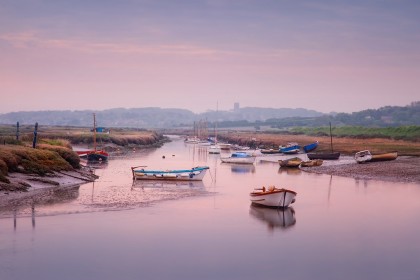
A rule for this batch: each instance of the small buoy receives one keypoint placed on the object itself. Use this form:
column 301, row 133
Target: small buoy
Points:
column 163, row 156
column 173, row 155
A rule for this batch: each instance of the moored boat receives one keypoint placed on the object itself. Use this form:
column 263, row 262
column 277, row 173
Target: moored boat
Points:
column 311, row 163
column 214, row 149
column 270, row 151
column 310, row 147
column 324, row 156
column 193, row 174
column 384, row 156
column 367, row 156
column 273, row 197
column 290, row 148
column 225, row 146
column 239, row 157
column 95, row 154
column 291, row 162
column 363, row 156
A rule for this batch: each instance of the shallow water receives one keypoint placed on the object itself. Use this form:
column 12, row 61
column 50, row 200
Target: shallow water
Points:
column 339, row 228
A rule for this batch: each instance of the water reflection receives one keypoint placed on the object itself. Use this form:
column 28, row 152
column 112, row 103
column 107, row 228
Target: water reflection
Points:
column 289, row 171
column 95, row 164
column 242, row 168
column 27, row 206
column 275, row 218
column 167, row 184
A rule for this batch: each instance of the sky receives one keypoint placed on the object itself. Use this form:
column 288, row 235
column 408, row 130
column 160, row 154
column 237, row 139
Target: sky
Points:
column 200, row 55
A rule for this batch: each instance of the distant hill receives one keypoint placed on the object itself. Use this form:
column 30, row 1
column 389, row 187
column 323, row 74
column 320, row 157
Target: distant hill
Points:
column 388, row 116
column 150, row 117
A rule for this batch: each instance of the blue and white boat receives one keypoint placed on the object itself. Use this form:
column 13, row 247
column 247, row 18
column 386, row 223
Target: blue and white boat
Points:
column 310, row 147
column 291, row 148
column 193, row 174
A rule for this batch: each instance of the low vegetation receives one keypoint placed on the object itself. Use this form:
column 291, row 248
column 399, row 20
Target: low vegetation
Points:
column 54, row 147
column 345, row 145
column 15, row 158
column 408, row 133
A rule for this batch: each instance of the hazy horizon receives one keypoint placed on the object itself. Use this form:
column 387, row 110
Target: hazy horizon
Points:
column 199, row 54
column 199, row 112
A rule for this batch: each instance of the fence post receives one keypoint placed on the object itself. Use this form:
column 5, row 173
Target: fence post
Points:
column 35, row 134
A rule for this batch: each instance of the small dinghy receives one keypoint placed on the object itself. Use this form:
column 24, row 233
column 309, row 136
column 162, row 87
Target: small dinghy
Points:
column 273, row 197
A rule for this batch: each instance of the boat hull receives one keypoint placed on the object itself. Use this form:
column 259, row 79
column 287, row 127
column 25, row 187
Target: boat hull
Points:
column 293, row 162
column 246, row 160
column 311, row 163
column 290, row 150
column 325, row 156
column 310, row 147
column 280, row 198
column 214, row 149
column 194, row 174
column 384, row 157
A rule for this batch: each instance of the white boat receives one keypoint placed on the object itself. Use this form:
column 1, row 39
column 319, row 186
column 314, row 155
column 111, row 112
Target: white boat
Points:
column 214, row 149
column 224, row 146
column 363, row 156
column 239, row 157
column 193, row 174
column 192, row 140
column 273, row 197
column 366, row 156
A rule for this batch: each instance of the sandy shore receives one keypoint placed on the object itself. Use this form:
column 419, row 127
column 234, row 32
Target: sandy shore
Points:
column 404, row 169
column 41, row 188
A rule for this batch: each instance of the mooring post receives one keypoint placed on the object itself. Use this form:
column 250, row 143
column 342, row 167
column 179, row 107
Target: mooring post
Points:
column 35, row 134
column 17, row 131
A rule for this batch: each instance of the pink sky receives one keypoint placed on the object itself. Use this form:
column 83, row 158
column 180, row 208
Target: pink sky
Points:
column 195, row 54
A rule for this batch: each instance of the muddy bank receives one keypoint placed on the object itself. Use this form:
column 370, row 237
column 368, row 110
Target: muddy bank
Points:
column 35, row 188
column 404, row 169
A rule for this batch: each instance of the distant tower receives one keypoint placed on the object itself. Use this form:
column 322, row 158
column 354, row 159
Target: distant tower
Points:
column 236, row 106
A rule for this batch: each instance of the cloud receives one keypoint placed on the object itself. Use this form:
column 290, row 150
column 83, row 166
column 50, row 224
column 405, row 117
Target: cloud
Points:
column 31, row 40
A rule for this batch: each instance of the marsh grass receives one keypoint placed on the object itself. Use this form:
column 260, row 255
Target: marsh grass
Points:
column 15, row 158
column 407, row 133
column 345, row 145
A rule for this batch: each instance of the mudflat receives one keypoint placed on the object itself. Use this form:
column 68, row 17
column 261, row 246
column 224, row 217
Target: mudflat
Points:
column 404, row 169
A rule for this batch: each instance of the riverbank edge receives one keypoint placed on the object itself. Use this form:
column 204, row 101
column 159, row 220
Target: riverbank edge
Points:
column 405, row 169
column 40, row 186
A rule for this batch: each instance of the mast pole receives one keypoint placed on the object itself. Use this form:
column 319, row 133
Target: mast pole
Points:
column 332, row 150
column 94, row 132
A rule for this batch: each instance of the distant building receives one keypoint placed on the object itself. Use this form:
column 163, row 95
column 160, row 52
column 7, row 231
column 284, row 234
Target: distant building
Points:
column 236, row 106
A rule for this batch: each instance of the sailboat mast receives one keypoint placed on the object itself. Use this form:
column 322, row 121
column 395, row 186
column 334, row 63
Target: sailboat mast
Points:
column 215, row 125
column 332, row 150
column 94, row 132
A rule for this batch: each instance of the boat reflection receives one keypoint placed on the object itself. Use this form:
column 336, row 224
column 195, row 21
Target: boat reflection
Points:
column 275, row 218
column 242, row 168
column 167, row 184
column 290, row 171
column 94, row 164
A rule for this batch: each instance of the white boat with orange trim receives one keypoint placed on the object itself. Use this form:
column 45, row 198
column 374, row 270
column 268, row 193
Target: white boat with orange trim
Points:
column 273, row 197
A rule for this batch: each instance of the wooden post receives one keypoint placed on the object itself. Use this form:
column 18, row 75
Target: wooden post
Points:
column 17, row 131
column 35, row 135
